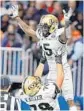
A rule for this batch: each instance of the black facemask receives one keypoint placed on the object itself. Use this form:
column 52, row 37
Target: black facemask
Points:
column 45, row 30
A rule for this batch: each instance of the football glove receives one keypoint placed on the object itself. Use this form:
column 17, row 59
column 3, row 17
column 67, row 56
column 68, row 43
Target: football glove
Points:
column 58, row 59
column 43, row 60
column 14, row 11
column 57, row 90
column 67, row 15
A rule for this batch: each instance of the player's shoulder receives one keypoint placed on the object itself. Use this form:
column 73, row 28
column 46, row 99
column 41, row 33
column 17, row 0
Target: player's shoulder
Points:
column 59, row 31
column 56, row 33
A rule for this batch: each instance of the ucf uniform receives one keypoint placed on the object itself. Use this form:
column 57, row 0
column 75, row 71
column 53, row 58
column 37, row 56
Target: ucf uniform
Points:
column 44, row 100
column 52, row 46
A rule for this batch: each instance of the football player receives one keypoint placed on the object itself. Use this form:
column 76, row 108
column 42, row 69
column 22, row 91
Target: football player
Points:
column 42, row 97
column 53, row 42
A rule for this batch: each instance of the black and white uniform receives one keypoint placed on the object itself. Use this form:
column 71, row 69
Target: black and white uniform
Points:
column 44, row 100
column 51, row 46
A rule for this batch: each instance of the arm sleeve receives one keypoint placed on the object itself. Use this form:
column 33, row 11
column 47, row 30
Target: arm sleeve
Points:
column 50, row 89
column 61, row 35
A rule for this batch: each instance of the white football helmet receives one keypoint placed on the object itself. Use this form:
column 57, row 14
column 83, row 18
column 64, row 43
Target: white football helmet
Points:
column 31, row 85
column 48, row 23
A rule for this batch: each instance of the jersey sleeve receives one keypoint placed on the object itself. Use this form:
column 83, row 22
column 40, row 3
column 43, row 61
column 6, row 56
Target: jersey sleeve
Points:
column 59, row 32
column 61, row 37
column 50, row 89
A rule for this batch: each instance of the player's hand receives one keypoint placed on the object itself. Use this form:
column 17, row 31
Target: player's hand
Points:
column 57, row 90
column 43, row 59
column 67, row 15
column 58, row 59
column 14, row 11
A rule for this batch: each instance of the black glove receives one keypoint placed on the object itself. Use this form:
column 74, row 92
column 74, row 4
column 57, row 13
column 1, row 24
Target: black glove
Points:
column 43, row 60
column 57, row 90
column 58, row 59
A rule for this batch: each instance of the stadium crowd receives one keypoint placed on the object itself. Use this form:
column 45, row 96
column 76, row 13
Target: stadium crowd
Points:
column 31, row 11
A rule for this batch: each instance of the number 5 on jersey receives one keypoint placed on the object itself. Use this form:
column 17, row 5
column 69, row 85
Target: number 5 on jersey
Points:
column 47, row 50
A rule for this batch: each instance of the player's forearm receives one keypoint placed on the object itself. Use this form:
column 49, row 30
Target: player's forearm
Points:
column 63, row 38
column 27, row 29
column 39, row 70
column 60, row 75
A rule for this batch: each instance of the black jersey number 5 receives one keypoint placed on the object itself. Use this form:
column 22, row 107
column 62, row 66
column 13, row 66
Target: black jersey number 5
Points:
column 48, row 51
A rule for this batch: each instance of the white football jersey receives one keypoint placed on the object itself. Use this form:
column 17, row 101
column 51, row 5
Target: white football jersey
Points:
column 51, row 46
column 45, row 99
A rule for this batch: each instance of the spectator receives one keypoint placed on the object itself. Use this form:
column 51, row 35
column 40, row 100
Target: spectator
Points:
column 32, row 24
column 73, row 4
column 57, row 8
column 4, row 23
column 78, row 24
column 21, row 10
column 58, row 12
column 21, row 14
column 1, row 36
column 77, row 44
column 49, row 5
column 30, row 13
column 41, row 10
column 27, row 43
column 31, row 4
column 80, row 6
column 11, row 38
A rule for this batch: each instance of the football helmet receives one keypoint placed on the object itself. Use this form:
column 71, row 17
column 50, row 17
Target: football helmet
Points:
column 48, row 24
column 31, row 85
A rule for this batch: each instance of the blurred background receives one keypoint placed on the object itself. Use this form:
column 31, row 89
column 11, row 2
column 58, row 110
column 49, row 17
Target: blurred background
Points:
column 19, row 55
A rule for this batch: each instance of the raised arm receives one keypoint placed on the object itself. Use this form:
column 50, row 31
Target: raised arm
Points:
column 40, row 68
column 26, row 28
column 63, row 38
